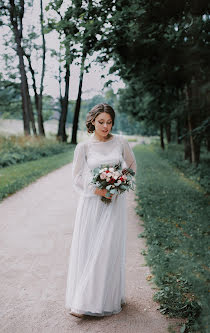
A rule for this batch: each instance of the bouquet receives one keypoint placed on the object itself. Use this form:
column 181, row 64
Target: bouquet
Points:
column 114, row 179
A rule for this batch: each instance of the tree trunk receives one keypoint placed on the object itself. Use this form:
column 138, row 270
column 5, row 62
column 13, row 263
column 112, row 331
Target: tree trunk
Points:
column 178, row 130
column 36, row 97
column 61, row 135
column 187, row 149
column 24, row 91
column 193, row 118
column 32, row 115
column 39, row 110
column 168, row 132
column 78, row 103
column 161, row 137
column 26, row 100
column 208, row 141
column 192, row 147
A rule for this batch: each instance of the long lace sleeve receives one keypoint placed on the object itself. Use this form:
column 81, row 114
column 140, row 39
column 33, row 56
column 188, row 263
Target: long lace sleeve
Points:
column 81, row 176
column 128, row 155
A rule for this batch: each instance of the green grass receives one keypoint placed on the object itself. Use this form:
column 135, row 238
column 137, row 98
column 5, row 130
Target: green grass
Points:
column 176, row 216
column 174, row 153
column 132, row 139
column 15, row 177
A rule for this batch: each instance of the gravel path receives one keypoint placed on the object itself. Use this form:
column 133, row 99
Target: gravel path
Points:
column 36, row 226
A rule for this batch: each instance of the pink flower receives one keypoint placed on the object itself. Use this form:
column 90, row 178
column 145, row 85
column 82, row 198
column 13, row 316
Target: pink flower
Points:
column 103, row 175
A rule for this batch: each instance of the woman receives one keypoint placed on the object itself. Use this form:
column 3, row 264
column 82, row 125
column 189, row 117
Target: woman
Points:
column 96, row 275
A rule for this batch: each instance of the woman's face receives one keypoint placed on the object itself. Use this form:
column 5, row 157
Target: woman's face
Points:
column 103, row 124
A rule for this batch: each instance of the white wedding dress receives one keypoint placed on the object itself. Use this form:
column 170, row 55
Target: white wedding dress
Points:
column 96, row 274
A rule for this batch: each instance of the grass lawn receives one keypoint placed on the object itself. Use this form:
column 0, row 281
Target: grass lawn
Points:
column 176, row 215
column 17, row 176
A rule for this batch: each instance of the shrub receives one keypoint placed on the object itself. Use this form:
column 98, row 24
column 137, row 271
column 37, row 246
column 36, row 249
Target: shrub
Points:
column 19, row 149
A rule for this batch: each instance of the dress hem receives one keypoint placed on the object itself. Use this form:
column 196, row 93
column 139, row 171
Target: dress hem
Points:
column 95, row 314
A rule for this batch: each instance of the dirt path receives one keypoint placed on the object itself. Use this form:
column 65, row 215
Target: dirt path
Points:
column 36, row 226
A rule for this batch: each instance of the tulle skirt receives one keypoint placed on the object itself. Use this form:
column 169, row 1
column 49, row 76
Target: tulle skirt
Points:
column 96, row 272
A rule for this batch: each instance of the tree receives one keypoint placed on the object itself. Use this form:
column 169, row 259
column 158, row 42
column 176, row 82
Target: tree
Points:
column 66, row 29
column 29, row 45
column 88, row 20
column 14, row 12
column 78, row 26
column 159, row 49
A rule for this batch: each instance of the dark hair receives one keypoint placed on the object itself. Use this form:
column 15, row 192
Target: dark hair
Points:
column 95, row 111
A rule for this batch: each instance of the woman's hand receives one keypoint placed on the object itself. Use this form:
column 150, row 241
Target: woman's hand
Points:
column 124, row 171
column 102, row 193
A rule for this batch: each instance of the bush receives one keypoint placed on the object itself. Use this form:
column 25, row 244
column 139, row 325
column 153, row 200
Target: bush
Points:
column 19, row 149
column 176, row 216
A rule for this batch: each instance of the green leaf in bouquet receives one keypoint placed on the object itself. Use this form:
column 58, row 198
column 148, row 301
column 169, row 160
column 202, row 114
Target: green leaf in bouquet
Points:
column 103, row 183
column 96, row 170
column 131, row 171
column 118, row 166
column 113, row 191
column 107, row 194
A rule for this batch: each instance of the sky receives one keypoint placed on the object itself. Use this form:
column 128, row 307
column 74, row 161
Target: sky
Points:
column 92, row 84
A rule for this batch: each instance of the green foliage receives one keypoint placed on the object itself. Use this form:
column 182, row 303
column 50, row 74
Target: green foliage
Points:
column 19, row 149
column 10, row 99
column 10, row 102
column 15, row 177
column 160, row 50
column 176, row 217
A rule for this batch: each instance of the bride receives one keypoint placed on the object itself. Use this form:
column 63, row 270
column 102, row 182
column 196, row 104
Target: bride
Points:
column 96, row 273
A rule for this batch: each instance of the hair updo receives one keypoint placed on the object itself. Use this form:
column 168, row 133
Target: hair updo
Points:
column 95, row 111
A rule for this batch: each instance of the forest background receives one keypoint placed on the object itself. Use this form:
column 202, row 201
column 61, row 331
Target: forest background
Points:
column 160, row 51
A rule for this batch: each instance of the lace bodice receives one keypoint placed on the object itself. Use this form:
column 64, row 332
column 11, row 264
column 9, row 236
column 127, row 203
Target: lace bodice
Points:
column 92, row 153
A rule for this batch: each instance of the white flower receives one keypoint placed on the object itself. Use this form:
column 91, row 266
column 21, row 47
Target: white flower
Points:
column 103, row 175
column 102, row 170
column 116, row 174
column 111, row 169
column 108, row 179
column 119, row 181
column 124, row 177
column 109, row 174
